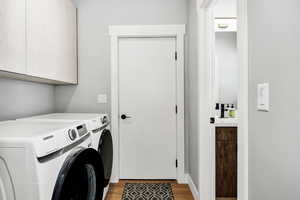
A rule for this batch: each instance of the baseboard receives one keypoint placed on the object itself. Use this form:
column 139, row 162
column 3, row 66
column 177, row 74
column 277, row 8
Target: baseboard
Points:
column 105, row 191
column 114, row 180
column 192, row 187
column 182, row 179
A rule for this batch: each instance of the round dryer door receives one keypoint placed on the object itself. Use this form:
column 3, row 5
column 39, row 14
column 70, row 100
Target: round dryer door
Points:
column 106, row 151
column 81, row 177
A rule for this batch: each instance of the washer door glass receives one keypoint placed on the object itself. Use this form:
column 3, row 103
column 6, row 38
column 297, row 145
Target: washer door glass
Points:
column 106, row 151
column 81, row 177
column 81, row 183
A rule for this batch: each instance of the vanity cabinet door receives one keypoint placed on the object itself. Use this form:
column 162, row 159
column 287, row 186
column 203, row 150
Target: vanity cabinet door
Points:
column 12, row 36
column 226, row 162
column 52, row 40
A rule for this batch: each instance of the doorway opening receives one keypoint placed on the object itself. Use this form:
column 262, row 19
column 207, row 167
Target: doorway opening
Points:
column 225, row 77
column 223, row 138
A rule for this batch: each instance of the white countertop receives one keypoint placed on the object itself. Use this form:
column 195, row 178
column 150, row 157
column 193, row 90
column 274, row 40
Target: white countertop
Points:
column 226, row 122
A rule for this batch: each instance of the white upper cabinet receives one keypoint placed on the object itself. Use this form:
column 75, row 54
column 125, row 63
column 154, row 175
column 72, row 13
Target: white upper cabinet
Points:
column 38, row 40
column 52, row 40
column 12, row 35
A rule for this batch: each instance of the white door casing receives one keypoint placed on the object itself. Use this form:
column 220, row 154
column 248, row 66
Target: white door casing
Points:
column 148, row 31
column 147, row 94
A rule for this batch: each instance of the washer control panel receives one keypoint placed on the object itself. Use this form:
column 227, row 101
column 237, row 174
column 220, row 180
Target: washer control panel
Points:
column 77, row 132
column 66, row 136
column 82, row 130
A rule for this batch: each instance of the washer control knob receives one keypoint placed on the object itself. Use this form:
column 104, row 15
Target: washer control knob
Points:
column 72, row 134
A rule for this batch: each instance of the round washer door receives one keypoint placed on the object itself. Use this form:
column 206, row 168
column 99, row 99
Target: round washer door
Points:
column 81, row 177
column 105, row 149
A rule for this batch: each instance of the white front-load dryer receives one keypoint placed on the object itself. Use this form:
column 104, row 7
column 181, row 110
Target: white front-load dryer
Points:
column 99, row 126
column 48, row 161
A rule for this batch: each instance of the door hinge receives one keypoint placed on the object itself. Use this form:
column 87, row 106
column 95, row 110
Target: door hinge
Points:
column 176, row 109
column 176, row 163
column 176, row 55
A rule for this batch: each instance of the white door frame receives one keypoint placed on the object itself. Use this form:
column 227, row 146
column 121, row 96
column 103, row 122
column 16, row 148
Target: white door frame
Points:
column 132, row 31
column 206, row 61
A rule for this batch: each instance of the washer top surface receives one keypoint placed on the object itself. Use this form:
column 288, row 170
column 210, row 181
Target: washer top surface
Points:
column 67, row 116
column 31, row 129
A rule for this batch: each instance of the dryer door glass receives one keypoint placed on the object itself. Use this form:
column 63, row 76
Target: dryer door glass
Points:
column 106, row 151
column 81, row 177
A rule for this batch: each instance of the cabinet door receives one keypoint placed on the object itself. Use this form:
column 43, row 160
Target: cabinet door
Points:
column 226, row 162
column 51, row 32
column 12, row 35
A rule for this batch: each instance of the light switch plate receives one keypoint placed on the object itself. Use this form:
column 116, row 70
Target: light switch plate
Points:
column 263, row 101
column 102, row 98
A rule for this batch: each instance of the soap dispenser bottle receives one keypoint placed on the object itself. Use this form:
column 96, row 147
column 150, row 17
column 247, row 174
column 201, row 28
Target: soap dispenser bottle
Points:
column 218, row 110
column 222, row 110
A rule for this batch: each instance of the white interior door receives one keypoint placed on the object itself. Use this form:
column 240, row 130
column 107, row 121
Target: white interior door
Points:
column 147, row 95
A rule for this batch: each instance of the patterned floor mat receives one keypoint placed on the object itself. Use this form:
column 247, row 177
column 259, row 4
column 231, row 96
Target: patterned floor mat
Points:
column 148, row 191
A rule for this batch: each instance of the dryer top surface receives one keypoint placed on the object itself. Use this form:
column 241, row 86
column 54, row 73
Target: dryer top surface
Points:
column 31, row 129
column 67, row 116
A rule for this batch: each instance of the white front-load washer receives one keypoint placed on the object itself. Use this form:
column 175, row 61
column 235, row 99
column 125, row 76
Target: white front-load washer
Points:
column 99, row 126
column 48, row 161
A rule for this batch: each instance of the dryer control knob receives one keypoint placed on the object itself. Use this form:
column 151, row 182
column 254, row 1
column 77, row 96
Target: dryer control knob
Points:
column 72, row 134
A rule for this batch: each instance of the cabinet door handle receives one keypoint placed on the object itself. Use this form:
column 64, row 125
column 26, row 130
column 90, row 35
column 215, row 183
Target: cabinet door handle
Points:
column 223, row 26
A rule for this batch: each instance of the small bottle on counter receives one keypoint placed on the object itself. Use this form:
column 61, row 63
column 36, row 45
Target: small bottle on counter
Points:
column 227, row 111
column 232, row 111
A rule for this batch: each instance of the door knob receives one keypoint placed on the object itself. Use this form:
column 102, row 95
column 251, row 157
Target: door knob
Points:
column 123, row 116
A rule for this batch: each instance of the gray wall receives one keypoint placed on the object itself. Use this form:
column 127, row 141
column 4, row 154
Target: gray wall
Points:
column 22, row 99
column 274, row 139
column 94, row 18
column 192, row 100
column 226, row 67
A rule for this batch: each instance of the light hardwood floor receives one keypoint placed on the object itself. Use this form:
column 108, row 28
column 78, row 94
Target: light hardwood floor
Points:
column 180, row 191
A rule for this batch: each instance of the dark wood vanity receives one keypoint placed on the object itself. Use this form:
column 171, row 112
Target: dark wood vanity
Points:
column 226, row 162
